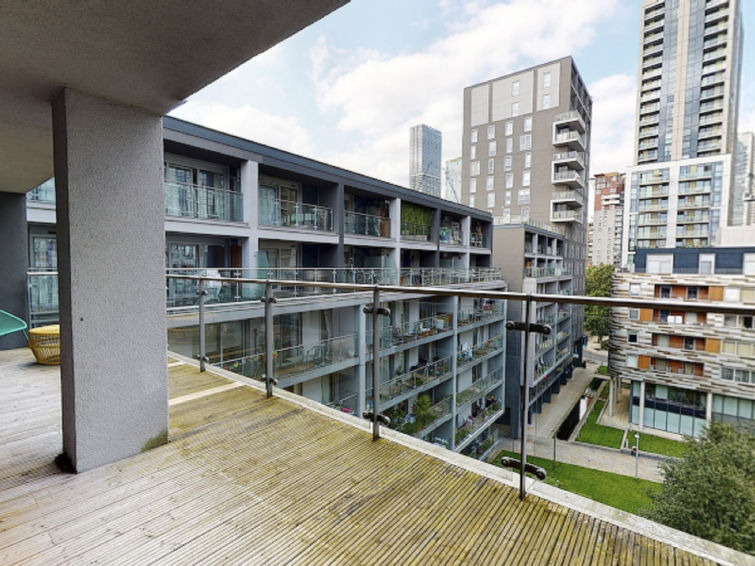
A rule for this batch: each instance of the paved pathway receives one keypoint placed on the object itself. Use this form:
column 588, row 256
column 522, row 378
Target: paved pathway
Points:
column 546, row 423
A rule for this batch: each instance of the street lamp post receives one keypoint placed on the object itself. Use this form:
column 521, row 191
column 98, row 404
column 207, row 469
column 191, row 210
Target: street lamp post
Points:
column 636, row 454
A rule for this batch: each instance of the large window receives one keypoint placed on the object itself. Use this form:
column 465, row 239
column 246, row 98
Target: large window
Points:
column 525, row 142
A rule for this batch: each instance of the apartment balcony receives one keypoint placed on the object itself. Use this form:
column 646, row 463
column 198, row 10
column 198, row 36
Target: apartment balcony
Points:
column 437, row 414
column 561, row 216
column 543, row 346
column 477, row 241
column 719, row 40
column 713, row 67
column 563, row 315
column 572, row 119
column 647, row 108
column 646, row 207
column 411, row 331
column 708, row 132
column 649, row 39
column 569, row 177
column 416, row 232
column 553, row 271
column 715, row 29
column 652, row 73
column 712, row 145
column 450, row 236
column 659, row 234
column 693, row 243
column 648, row 144
column 412, row 383
column 574, row 159
column 651, row 120
column 714, row 79
column 562, row 335
column 685, row 218
column 716, row 16
column 574, row 198
column 652, row 49
column 711, row 106
column 651, row 62
column 203, row 203
column 713, row 118
column 648, row 220
column 467, row 356
column 571, row 139
column 698, row 232
column 653, row 26
column 715, row 55
column 467, row 432
column 693, row 203
column 468, row 318
column 652, row 193
column 359, row 224
column 694, row 188
column 649, row 132
column 43, row 194
column 479, row 388
column 290, row 214
column 696, row 174
column 646, row 156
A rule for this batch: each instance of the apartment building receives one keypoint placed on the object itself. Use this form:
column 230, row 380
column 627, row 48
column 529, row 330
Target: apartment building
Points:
column 742, row 201
column 604, row 241
column 686, row 369
column 234, row 208
column 425, row 149
column 452, row 185
column 687, row 105
column 525, row 149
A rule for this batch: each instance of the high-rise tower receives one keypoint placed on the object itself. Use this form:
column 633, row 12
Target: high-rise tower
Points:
column 424, row 159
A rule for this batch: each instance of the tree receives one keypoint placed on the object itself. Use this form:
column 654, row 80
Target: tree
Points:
column 598, row 284
column 710, row 492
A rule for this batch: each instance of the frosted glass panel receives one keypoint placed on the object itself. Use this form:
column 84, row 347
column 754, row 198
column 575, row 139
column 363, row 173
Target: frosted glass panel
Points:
column 686, row 425
column 673, row 422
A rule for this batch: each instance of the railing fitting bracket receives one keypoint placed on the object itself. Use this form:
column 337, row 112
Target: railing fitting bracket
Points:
column 384, row 419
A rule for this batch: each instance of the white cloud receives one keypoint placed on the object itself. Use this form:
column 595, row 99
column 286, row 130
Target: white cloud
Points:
column 377, row 97
column 613, row 113
column 284, row 132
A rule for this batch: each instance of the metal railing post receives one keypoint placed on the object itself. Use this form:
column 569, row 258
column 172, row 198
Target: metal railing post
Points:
column 525, row 390
column 375, row 362
column 202, row 291
column 269, row 338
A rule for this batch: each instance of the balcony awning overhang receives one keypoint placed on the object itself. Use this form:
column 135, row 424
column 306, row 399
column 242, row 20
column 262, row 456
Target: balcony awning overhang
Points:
column 141, row 53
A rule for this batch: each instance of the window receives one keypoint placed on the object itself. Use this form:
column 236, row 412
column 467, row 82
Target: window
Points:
column 471, row 200
column 515, row 88
column 632, row 338
column 489, row 184
column 491, row 200
column 748, row 264
column 631, row 361
column 515, row 109
column 525, row 141
column 689, row 343
column 491, row 132
column 507, row 163
column 527, row 160
column 523, row 196
column 528, row 124
column 748, row 296
column 665, row 292
column 525, row 213
column 509, row 180
column 508, row 129
column 546, row 79
column 634, row 289
column 506, row 215
column 474, row 168
column 525, row 178
column 691, row 293
column 491, row 166
column 707, row 263
column 634, row 314
column 546, row 101
column 473, row 137
column 507, row 198
column 740, row 375
column 473, row 185
column 491, row 147
column 472, row 152
column 509, row 145
column 731, row 295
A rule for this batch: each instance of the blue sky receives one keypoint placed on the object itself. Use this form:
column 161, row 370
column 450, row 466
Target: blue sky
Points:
column 346, row 89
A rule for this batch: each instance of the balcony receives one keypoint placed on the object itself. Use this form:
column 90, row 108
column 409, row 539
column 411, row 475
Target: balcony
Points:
column 653, row 26
column 651, row 120
column 653, row 73
column 712, row 145
column 556, row 271
column 650, row 62
column 290, row 214
column 43, row 194
column 647, row 207
column 705, row 133
column 572, row 119
column 652, row 38
column 695, row 174
column 466, row 432
column 652, row 49
column 653, row 193
column 571, row 158
column 647, row 108
column 718, row 78
column 477, row 241
column 711, row 106
column 646, row 156
column 203, row 203
column 450, row 236
column 714, row 118
column 479, row 316
column 648, row 144
column 691, row 203
column 649, row 220
column 568, row 197
column 479, row 388
column 715, row 55
column 360, row 224
column 650, row 132
column 697, row 232
column 416, row 232
column 543, row 346
column 571, row 139
column 694, row 188
column 437, row 414
column 560, row 216
column 413, row 382
column 468, row 356
column 411, row 331
column 684, row 218
column 569, row 177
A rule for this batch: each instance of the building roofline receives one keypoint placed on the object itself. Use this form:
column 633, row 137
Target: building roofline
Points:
column 202, row 132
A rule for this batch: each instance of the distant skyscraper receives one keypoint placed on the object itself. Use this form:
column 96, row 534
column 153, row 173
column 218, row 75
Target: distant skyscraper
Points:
column 605, row 243
column 687, row 104
column 742, row 201
column 452, row 188
column 424, row 159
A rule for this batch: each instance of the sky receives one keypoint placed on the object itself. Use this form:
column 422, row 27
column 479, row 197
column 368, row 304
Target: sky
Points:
column 347, row 89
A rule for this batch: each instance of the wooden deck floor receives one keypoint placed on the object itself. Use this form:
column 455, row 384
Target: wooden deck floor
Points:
column 248, row 480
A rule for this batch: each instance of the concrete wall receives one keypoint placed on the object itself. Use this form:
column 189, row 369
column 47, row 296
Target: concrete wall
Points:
column 14, row 258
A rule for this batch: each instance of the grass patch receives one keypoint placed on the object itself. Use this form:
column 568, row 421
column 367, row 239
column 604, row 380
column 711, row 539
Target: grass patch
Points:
column 603, row 370
column 593, row 433
column 622, row 492
column 659, row 445
column 595, row 383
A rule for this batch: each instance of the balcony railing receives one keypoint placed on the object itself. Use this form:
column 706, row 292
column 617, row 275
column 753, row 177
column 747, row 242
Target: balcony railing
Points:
column 566, row 216
column 44, row 193
column 568, row 196
column 419, row 232
column 474, row 316
column 473, row 424
column 414, row 381
column 479, row 388
column 367, row 225
column 43, row 297
column 450, row 236
column 436, row 413
column 467, row 355
column 476, row 241
column 558, row 271
column 290, row 214
column 412, row 331
column 203, row 203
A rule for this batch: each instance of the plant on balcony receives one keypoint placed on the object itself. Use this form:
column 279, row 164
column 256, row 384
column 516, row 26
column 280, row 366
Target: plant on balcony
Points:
column 461, row 434
column 422, row 410
column 415, row 215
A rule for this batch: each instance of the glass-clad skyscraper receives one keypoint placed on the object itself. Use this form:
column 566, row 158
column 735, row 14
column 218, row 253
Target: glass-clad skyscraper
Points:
column 424, row 159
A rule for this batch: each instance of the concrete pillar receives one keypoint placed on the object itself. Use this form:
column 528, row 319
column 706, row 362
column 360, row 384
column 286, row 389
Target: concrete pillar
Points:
column 339, row 224
column 111, row 242
column 14, row 255
column 250, row 194
column 611, row 399
column 641, row 416
column 708, row 407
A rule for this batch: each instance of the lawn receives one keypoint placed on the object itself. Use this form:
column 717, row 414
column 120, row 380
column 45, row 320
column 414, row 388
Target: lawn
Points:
column 593, row 433
column 622, row 492
column 659, row 445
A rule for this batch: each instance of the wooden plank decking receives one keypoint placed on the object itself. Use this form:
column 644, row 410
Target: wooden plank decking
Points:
column 249, row 480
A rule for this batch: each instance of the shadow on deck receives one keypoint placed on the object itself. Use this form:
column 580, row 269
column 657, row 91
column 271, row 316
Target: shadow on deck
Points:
column 284, row 481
